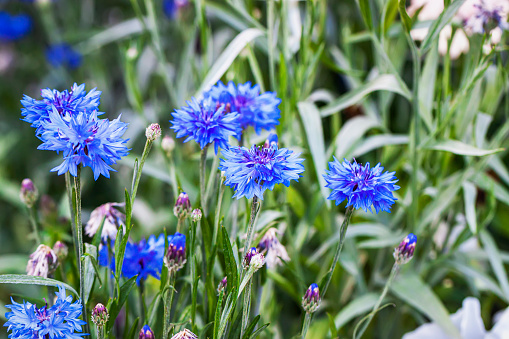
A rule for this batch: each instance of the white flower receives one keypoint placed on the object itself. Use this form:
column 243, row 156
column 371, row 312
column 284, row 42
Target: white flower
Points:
column 469, row 323
column 113, row 219
column 42, row 262
column 274, row 251
column 185, row 334
column 257, row 261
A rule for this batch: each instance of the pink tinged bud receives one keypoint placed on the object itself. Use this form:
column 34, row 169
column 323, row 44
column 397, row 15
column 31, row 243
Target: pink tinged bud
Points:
column 28, row 193
column 61, row 250
column 196, row 215
column 185, row 334
column 153, row 132
column 168, row 145
column 183, row 206
column 311, row 299
column 405, row 251
column 222, row 285
column 100, row 315
column 113, row 219
column 42, row 262
column 253, row 260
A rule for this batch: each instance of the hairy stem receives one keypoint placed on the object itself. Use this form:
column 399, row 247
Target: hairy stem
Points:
column 247, row 307
column 79, row 238
column 168, row 300
column 305, row 325
column 33, row 221
column 203, row 162
column 250, row 225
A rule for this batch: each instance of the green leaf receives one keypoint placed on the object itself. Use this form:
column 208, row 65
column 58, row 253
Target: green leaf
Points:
column 91, row 269
column 488, row 184
column 427, row 87
column 439, row 24
column 495, row 260
column 116, row 305
column 355, row 308
column 332, row 326
column 312, row 122
column 460, row 148
column 13, row 263
column 133, row 331
column 384, row 82
column 259, row 330
column 226, row 58
column 469, row 197
column 250, row 328
column 230, row 263
column 33, row 280
column 366, row 13
column 411, row 289
column 217, row 317
column 378, row 141
column 351, row 132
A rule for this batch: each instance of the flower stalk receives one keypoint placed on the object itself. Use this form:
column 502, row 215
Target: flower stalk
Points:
column 203, row 163
column 168, row 300
column 305, row 324
column 250, row 226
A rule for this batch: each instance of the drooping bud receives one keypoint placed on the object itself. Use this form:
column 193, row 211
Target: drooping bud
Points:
column 182, row 206
column 196, row 215
column 175, row 258
column 253, row 259
column 100, row 315
column 311, row 299
column 274, row 251
column 168, row 145
column 185, row 334
column 42, row 262
column 28, row 193
column 222, row 285
column 153, row 132
column 405, row 251
column 146, row 333
column 112, row 217
column 249, row 255
column 272, row 141
column 61, row 250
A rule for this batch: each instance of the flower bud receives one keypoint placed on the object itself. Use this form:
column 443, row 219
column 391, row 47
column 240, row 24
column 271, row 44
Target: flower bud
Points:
column 253, row 259
column 182, row 206
column 272, row 141
column 28, row 193
column 168, row 145
column 42, row 262
column 311, row 299
column 196, row 215
column 222, row 285
column 146, row 333
column 153, row 132
column 185, row 334
column 175, row 258
column 100, row 315
column 61, row 250
column 405, row 251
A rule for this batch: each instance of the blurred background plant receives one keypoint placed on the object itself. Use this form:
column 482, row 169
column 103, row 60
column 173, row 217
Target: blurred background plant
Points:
column 352, row 83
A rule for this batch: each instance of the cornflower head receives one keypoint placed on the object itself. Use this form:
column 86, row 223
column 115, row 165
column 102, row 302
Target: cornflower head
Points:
column 28, row 193
column 205, row 123
column 182, row 206
column 84, row 140
column 253, row 259
column 113, row 219
column 258, row 110
column 175, row 257
column 14, row 27
column 250, row 171
column 67, row 104
column 153, row 132
column 362, row 186
column 146, row 333
column 63, row 54
column 100, row 315
column 405, row 251
column 311, row 299
column 488, row 16
column 273, row 250
column 42, row 262
column 185, row 334
column 59, row 321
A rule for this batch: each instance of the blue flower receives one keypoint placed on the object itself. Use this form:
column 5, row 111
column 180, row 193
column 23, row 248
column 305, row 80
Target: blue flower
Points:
column 171, row 7
column 175, row 257
column 14, row 27
column 251, row 171
column 63, row 55
column 486, row 17
column 67, row 103
column 60, row 321
column 363, row 187
column 205, row 123
column 84, row 140
column 258, row 110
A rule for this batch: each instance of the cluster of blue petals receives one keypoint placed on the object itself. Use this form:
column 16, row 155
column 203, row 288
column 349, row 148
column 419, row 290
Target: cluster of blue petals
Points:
column 171, row 7
column 205, row 123
column 60, row 321
column 14, row 27
column 68, row 122
column 362, row 186
column 258, row 110
column 143, row 258
column 63, row 54
column 250, row 171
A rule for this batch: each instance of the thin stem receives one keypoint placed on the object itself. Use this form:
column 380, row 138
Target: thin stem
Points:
column 79, row 238
column 168, row 300
column 218, row 210
column 180, row 223
column 247, row 307
column 100, row 332
column 142, row 301
column 250, row 225
column 270, row 38
column 394, row 272
column 32, row 216
column 146, row 151
column 305, row 325
column 342, row 236
column 69, row 186
column 203, row 162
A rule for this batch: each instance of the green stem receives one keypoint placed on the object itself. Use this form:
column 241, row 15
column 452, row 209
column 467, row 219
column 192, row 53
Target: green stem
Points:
column 342, row 236
column 305, row 325
column 180, row 223
column 250, row 225
column 247, row 307
column 100, row 332
column 168, row 300
column 79, row 238
column 69, row 186
column 394, row 272
column 142, row 301
column 32, row 216
column 144, row 155
column 203, row 162
column 270, row 37
column 218, row 210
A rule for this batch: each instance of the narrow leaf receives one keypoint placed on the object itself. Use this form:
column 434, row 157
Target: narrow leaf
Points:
column 33, row 280
column 460, row 148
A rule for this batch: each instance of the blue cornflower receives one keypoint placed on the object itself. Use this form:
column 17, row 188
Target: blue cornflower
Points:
column 205, row 123
column 84, row 140
column 363, row 187
column 67, row 103
column 487, row 16
column 63, row 55
column 60, row 321
column 14, row 27
column 171, row 7
column 251, row 171
column 144, row 258
column 258, row 110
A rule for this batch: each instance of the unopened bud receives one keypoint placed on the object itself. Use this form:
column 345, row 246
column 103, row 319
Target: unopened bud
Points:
column 42, row 262
column 146, row 333
column 311, row 299
column 168, row 145
column 182, row 206
column 100, row 315
column 405, row 251
column 196, row 215
column 153, row 132
column 253, row 259
column 175, row 258
column 222, row 285
column 28, row 193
